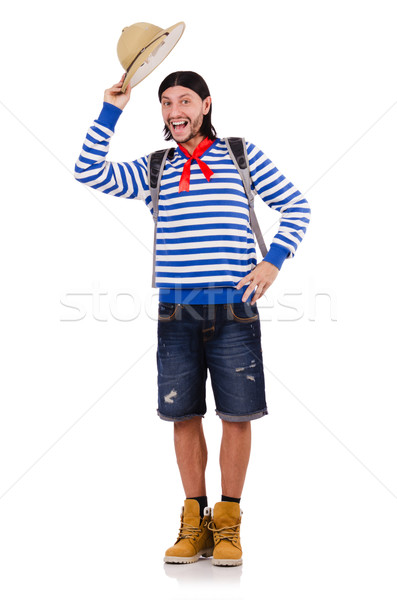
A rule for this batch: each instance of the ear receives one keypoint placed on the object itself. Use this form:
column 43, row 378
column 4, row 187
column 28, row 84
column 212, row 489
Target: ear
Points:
column 207, row 105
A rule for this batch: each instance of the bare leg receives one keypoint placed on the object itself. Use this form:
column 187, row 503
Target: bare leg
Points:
column 234, row 456
column 191, row 455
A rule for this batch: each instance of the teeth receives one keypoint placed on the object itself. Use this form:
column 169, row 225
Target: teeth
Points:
column 175, row 123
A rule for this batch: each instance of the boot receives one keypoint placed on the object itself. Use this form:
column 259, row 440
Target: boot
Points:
column 194, row 538
column 225, row 526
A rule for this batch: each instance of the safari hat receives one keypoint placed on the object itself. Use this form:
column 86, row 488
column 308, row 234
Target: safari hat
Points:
column 143, row 46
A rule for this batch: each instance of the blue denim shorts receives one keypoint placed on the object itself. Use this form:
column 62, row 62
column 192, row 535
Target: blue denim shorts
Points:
column 223, row 338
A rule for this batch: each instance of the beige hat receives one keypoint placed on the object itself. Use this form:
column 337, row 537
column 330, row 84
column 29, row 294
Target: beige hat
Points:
column 143, row 46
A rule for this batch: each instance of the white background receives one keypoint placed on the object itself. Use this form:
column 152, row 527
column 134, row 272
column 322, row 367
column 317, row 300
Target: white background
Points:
column 89, row 486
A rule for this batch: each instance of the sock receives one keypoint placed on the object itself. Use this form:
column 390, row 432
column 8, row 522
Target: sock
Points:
column 203, row 501
column 229, row 499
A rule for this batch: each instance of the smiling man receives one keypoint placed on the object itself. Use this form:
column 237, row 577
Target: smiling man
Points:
column 209, row 281
column 183, row 112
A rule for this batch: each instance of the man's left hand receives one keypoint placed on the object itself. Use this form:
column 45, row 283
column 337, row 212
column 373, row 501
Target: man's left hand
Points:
column 262, row 276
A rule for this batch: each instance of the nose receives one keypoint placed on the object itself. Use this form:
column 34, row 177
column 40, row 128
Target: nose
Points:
column 173, row 112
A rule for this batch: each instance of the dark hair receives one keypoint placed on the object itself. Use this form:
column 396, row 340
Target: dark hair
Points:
column 195, row 82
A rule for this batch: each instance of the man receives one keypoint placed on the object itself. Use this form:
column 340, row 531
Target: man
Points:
column 209, row 283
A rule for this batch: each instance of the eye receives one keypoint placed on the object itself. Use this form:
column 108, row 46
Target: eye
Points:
column 165, row 103
column 185, row 101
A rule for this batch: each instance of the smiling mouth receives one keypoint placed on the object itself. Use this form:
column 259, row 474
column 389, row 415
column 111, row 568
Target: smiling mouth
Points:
column 178, row 125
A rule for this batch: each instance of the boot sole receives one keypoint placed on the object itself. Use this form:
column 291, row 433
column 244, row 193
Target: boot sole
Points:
column 185, row 560
column 227, row 562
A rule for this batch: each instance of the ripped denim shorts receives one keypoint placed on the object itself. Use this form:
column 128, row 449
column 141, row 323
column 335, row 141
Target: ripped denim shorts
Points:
column 223, row 338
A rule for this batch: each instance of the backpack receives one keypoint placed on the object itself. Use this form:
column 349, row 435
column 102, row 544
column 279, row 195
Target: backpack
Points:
column 238, row 153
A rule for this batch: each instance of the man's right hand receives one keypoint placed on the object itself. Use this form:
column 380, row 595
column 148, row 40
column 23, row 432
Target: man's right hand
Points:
column 114, row 95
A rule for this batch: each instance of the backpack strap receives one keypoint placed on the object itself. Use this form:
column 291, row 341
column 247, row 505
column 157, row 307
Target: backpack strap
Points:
column 156, row 164
column 238, row 153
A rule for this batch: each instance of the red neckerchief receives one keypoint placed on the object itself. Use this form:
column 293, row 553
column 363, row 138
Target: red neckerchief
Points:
column 201, row 148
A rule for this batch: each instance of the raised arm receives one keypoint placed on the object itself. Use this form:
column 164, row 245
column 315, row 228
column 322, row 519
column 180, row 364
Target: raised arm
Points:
column 115, row 96
column 126, row 179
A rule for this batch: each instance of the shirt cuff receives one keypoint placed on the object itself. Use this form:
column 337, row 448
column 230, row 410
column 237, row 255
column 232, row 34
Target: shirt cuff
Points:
column 109, row 115
column 276, row 255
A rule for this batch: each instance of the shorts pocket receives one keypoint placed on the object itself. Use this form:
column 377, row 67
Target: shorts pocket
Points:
column 243, row 312
column 167, row 311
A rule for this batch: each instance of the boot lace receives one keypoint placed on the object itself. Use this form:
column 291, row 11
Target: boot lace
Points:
column 188, row 531
column 231, row 533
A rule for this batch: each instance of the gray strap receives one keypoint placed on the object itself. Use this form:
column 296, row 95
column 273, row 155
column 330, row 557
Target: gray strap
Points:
column 154, row 193
column 246, row 178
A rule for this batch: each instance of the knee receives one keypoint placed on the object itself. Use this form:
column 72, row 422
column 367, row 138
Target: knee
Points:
column 188, row 424
column 236, row 425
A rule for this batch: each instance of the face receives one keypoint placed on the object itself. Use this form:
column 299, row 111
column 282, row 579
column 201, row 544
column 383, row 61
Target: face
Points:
column 183, row 111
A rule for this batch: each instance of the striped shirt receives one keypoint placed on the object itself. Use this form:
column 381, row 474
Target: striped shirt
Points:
column 204, row 238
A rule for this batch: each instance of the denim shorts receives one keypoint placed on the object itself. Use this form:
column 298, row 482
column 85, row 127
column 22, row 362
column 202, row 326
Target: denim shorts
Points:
column 223, row 338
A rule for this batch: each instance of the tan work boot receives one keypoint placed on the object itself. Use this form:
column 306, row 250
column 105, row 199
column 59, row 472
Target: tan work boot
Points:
column 225, row 526
column 194, row 538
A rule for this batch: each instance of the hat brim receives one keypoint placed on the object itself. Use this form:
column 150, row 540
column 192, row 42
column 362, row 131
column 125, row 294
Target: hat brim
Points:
column 154, row 54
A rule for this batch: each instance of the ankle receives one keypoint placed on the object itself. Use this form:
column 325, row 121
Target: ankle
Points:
column 203, row 502
column 230, row 499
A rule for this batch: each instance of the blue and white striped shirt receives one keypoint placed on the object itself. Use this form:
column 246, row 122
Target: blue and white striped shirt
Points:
column 204, row 238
